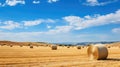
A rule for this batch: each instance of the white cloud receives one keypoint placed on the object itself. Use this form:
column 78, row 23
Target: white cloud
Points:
column 60, row 29
column 48, row 26
column 20, row 36
column 0, row 4
column 32, row 23
column 97, row 3
column 10, row 25
column 116, row 30
column 38, row 21
column 91, row 21
column 92, row 1
column 52, row 1
column 36, row 2
column 49, row 20
column 73, row 20
column 13, row 2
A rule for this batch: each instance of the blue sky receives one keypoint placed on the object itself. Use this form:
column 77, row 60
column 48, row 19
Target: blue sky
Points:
column 60, row 20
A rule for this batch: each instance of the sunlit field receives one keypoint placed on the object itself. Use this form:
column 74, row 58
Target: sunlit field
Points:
column 44, row 56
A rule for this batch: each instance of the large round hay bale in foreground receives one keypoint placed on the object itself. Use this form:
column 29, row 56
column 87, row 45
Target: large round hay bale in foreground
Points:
column 97, row 52
column 54, row 47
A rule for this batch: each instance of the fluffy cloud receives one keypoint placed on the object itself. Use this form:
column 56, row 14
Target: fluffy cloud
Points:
column 10, row 25
column 38, row 21
column 60, row 29
column 116, row 30
column 49, row 20
column 36, row 2
column 20, row 36
column 0, row 4
column 90, row 21
column 48, row 26
column 52, row 1
column 32, row 23
column 13, row 2
column 97, row 3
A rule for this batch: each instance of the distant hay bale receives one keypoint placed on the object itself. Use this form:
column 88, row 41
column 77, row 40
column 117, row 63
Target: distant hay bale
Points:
column 109, row 47
column 54, row 47
column 78, row 47
column 31, row 46
column 49, row 46
column 3, row 44
column 11, row 45
column 82, row 46
column 68, row 46
column 97, row 52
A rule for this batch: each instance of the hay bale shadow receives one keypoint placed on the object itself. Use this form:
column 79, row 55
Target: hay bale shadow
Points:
column 113, row 59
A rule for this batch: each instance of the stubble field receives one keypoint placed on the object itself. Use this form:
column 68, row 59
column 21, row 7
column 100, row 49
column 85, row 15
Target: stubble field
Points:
column 42, row 56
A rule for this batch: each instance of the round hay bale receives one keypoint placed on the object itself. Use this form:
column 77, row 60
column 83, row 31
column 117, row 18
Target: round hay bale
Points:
column 68, row 46
column 31, row 46
column 3, row 44
column 21, row 45
column 97, row 52
column 54, row 47
column 82, row 46
column 108, row 46
column 78, row 47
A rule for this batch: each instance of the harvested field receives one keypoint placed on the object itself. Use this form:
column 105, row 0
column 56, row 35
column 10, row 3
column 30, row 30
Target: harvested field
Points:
column 45, row 57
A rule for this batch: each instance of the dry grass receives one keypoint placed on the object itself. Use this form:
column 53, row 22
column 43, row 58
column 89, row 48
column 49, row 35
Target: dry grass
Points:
column 62, row 57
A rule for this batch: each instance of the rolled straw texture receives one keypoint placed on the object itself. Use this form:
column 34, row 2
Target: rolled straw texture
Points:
column 97, row 52
column 54, row 47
